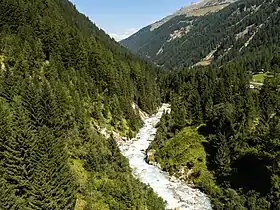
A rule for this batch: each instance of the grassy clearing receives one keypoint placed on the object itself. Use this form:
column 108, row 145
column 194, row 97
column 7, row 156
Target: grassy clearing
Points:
column 261, row 77
column 77, row 166
column 184, row 156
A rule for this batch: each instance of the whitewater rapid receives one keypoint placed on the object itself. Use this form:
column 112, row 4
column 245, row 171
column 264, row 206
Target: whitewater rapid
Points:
column 176, row 193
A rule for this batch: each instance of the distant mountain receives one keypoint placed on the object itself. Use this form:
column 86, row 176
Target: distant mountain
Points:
column 210, row 32
column 195, row 9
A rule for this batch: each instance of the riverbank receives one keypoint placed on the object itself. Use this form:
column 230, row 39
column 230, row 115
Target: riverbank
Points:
column 177, row 194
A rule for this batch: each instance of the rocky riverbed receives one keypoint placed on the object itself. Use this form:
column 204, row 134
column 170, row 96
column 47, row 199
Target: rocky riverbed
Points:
column 177, row 194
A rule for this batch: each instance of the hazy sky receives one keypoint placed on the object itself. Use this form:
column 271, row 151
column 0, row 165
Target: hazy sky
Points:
column 121, row 18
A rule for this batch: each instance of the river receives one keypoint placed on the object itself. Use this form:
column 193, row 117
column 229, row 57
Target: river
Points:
column 177, row 194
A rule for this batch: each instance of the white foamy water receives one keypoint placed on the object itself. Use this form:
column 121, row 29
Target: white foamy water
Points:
column 177, row 194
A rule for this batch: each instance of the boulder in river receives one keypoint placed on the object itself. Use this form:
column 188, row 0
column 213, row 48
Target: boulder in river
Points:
column 151, row 155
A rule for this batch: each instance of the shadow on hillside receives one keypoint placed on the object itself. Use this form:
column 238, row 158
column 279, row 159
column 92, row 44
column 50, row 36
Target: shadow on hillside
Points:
column 251, row 173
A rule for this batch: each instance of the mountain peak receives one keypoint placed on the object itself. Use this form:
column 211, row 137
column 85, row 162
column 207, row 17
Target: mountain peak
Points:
column 199, row 8
column 209, row 32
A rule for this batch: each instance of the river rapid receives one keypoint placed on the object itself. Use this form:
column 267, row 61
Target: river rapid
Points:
column 176, row 194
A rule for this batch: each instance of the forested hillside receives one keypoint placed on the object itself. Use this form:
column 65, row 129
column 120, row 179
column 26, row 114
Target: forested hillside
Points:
column 246, row 29
column 62, row 80
column 222, row 136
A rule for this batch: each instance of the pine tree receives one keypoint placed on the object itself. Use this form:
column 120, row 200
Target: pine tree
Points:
column 222, row 158
column 16, row 155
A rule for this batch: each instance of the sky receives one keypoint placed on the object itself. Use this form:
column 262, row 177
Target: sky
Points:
column 122, row 18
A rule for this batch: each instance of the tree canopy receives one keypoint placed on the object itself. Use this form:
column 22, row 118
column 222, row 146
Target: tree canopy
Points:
column 63, row 80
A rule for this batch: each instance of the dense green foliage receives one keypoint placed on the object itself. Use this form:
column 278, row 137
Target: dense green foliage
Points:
column 184, row 156
column 226, row 31
column 61, row 81
column 241, row 127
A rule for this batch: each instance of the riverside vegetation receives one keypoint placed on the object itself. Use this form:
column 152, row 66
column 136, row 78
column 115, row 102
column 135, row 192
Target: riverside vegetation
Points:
column 222, row 136
column 63, row 81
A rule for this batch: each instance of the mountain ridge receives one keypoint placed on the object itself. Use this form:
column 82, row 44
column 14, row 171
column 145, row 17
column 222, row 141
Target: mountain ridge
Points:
column 229, row 33
column 194, row 9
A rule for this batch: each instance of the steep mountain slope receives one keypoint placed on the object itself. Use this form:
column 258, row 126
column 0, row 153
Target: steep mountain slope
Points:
column 223, row 136
column 62, row 82
column 232, row 31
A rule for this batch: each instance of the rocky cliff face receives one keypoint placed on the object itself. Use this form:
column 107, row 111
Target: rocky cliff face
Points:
column 195, row 9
